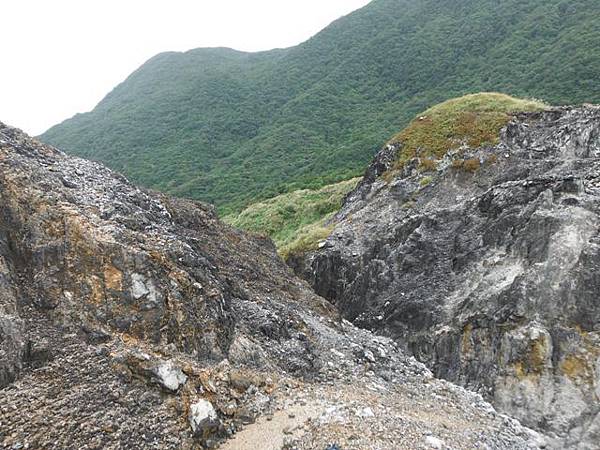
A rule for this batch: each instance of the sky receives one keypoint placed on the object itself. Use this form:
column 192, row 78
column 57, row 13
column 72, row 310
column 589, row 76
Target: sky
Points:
column 61, row 57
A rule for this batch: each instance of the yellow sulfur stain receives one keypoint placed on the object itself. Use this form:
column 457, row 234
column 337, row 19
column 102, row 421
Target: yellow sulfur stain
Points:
column 539, row 351
column 113, row 278
column 577, row 368
column 520, row 371
column 97, row 289
column 535, row 362
column 466, row 346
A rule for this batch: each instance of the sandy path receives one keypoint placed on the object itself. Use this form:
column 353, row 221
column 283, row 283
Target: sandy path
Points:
column 269, row 434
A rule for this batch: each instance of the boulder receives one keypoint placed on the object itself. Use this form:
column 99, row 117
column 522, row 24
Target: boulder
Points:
column 203, row 418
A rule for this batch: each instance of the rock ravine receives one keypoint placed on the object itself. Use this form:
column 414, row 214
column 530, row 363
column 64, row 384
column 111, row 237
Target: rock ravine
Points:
column 132, row 320
column 490, row 276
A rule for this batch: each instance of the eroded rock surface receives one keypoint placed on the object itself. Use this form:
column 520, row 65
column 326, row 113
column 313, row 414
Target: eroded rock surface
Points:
column 491, row 277
column 124, row 314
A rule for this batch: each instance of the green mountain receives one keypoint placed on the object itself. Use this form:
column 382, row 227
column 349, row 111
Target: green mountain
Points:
column 231, row 128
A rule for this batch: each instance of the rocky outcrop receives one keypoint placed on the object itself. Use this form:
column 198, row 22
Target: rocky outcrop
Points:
column 11, row 349
column 487, row 268
column 132, row 320
column 101, row 256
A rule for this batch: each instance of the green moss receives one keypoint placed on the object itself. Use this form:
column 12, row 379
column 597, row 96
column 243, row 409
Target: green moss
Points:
column 294, row 221
column 474, row 120
column 425, row 181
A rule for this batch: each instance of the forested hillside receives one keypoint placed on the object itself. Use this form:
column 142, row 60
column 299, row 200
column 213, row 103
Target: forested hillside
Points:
column 231, row 128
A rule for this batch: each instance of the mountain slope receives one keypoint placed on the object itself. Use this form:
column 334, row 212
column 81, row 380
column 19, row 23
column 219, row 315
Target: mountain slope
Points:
column 231, row 127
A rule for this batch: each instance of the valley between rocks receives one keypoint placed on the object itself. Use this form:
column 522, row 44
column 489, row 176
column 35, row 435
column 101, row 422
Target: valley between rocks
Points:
column 129, row 319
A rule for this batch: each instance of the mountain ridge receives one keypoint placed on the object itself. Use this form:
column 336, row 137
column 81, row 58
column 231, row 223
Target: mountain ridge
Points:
column 248, row 127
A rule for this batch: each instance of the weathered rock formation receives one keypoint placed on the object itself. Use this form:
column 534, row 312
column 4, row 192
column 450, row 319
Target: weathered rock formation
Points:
column 490, row 276
column 132, row 320
column 93, row 252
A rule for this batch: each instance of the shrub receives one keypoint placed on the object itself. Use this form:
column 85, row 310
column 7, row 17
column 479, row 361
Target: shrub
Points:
column 471, row 165
column 294, row 220
column 468, row 165
column 492, row 159
column 427, row 165
column 307, row 239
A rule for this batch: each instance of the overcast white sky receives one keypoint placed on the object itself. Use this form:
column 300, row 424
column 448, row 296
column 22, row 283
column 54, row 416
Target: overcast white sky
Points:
column 60, row 57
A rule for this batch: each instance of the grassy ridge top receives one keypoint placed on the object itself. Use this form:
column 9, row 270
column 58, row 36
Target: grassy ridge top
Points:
column 473, row 120
column 233, row 128
column 295, row 221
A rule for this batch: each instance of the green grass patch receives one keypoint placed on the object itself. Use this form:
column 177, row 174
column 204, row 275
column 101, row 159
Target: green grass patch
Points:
column 307, row 238
column 473, row 120
column 295, row 221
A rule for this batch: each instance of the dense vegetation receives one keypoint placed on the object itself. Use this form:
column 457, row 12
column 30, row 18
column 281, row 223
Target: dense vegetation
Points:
column 473, row 120
column 295, row 221
column 231, row 127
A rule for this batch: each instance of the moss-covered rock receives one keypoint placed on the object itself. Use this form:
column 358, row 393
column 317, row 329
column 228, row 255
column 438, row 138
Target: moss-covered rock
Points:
column 472, row 120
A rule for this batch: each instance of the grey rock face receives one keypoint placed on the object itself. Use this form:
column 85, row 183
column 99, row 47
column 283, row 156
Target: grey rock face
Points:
column 12, row 340
column 104, row 258
column 92, row 265
column 12, row 349
column 492, row 278
column 170, row 376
